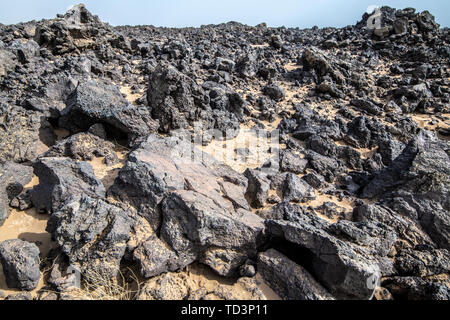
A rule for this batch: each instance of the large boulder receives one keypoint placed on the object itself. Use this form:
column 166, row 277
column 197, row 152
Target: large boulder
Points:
column 198, row 206
column 21, row 136
column 155, row 257
column 61, row 178
column 98, row 102
column 51, row 99
column 195, row 225
column 420, row 175
column 175, row 99
column 92, row 233
column 346, row 269
column 402, row 220
column 289, row 280
column 178, row 102
column 20, row 261
column 159, row 166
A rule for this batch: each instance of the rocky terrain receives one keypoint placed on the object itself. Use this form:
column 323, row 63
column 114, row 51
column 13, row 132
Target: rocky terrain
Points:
column 352, row 203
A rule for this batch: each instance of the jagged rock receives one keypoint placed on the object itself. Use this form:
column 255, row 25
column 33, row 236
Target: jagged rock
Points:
column 366, row 105
column 377, row 237
column 96, row 102
column 20, row 261
column 92, row 233
column 426, row 21
column 176, row 100
column 314, row 180
column 13, row 178
column 160, row 166
column 423, row 263
column 61, row 178
column 246, row 66
column 420, row 175
column 416, row 288
column 258, row 187
column 326, row 166
column 156, row 257
column 289, row 280
column 7, row 62
column 406, row 227
column 297, row 190
column 224, row 99
column 52, row 101
column 79, row 15
column 275, row 92
column 25, row 52
column 343, row 268
column 291, row 162
column 156, row 173
column 84, row 147
column 194, row 225
column 364, row 133
column 21, row 134
column 66, row 33
column 315, row 59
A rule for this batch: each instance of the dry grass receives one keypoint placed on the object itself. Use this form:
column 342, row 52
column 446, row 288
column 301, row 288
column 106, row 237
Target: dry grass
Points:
column 96, row 286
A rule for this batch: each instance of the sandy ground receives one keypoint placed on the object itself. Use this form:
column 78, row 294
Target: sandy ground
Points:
column 29, row 226
column 203, row 277
column 129, row 95
column 259, row 149
column 107, row 174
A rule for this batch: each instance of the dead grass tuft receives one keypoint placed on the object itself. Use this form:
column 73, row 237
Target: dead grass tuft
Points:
column 96, row 286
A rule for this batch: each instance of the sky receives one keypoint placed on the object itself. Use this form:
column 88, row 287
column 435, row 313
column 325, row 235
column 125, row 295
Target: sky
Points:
column 194, row 13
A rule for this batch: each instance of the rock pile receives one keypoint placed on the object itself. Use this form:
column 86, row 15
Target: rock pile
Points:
column 358, row 209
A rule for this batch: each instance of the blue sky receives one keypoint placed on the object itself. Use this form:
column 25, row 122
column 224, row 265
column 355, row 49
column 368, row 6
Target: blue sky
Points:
column 178, row 13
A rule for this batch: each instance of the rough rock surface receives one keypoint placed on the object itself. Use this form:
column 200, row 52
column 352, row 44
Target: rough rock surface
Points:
column 352, row 202
column 194, row 214
column 60, row 178
column 96, row 102
column 92, row 233
column 20, row 261
column 289, row 280
column 84, row 147
column 20, row 133
column 13, row 178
